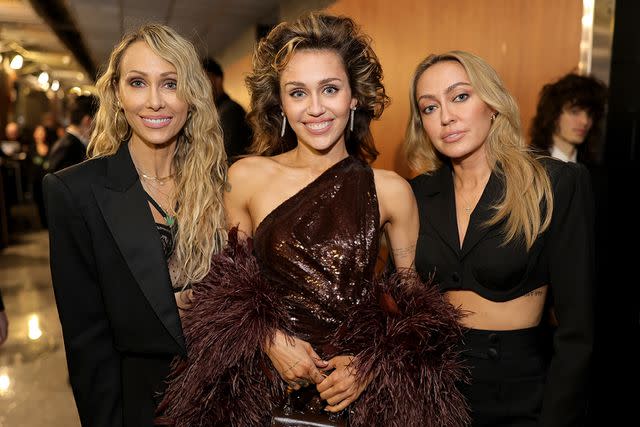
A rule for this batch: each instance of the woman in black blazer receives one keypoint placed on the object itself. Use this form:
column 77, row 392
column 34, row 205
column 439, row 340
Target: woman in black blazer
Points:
column 156, row 163
column 502, row 230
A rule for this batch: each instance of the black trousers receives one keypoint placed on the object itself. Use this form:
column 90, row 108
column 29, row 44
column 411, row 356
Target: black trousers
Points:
column 508, row 370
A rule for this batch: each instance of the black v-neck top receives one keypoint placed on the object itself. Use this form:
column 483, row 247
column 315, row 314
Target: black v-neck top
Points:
column 560, row 257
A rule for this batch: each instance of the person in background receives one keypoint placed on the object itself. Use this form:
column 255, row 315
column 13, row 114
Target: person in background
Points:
column 39, row 156
column 236, row 131
column 72, row 147
column 568, row 119
column 497, row 224
column 4, row 322
column 119, row 264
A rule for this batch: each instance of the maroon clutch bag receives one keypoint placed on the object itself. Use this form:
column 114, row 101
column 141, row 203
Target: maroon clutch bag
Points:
column 304, row 408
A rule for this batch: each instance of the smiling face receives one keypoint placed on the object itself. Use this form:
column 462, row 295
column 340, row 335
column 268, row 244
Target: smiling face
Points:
column 316, row 98
column 455, row 118
column 147, row 90
column 573, row 125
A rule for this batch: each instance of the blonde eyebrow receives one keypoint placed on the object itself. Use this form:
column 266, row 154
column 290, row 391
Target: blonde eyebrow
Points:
column 447, row 90
column 166, row 73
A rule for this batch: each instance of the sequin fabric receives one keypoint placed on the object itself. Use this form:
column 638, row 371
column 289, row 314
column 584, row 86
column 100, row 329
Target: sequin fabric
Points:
column 320, row 247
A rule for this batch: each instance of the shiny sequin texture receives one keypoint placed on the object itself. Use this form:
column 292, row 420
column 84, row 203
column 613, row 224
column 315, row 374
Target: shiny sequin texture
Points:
column 320, row 246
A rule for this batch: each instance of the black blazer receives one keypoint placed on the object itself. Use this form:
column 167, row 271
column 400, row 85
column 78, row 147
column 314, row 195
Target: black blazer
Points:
column 66, row 151
column 115, row 301
column 561, row 257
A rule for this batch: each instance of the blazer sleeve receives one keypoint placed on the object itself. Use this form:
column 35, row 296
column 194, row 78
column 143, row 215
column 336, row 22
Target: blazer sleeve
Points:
column 571, row 268
column 93, row 362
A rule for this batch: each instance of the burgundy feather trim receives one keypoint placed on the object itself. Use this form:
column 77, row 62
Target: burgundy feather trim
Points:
column 406, row 338
column 227, row 379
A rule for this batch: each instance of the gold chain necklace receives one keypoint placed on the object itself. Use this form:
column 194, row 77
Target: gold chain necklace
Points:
column 162, row 180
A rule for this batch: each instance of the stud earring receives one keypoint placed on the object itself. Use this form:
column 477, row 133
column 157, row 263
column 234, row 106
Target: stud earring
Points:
column 352, row 118
column 493, row 116
column 284, row 124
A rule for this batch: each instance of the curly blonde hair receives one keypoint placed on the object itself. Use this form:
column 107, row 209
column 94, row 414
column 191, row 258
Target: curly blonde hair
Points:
column 315, row 31
column 527, row 203
column 199, row 161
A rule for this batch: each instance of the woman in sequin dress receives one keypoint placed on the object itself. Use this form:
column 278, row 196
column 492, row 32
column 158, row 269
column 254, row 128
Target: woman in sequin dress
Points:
column 307, row 311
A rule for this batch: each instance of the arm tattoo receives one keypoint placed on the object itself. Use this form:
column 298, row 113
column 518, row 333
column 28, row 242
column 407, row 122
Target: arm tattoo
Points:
column 403, row 252
column 535, row 293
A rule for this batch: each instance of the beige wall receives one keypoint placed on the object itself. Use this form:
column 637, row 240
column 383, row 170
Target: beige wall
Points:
column 529, row 42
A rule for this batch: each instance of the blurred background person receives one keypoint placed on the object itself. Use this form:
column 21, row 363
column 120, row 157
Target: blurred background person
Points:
column 72, row 147
column 39, row 155
column 235, row 128
column 4, row 322
column 568, row 119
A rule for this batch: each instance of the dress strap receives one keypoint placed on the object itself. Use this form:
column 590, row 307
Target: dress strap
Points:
column 168, row 218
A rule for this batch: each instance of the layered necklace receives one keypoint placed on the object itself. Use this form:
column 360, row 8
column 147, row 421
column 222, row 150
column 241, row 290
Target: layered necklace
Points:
column 159, row 179
column 153, row 184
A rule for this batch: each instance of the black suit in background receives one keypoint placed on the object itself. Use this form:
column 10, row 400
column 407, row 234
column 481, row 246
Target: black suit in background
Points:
column 65, row 152
column 115, row 301
column 561, row 257
column 235, row 130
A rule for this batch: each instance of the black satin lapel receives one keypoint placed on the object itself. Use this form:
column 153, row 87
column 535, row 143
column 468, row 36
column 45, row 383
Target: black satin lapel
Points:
column 440, row 209
column 131, row 223
column 482, row 213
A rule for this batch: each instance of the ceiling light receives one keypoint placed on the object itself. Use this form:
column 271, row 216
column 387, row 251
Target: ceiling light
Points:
column 16, row 62
column 43, row 78
column 55, row 85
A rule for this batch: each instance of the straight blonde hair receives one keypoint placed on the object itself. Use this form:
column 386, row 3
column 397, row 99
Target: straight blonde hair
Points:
column 527, row 203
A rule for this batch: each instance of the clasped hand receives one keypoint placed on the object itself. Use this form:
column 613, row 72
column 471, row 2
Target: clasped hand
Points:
column 299, row 365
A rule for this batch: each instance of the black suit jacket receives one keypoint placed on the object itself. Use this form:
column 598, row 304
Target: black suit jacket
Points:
column 113, row 291
column 561, row 257
column 66, row 151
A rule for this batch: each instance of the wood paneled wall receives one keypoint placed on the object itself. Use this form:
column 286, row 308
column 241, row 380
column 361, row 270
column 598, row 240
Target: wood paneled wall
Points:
column 529, row 43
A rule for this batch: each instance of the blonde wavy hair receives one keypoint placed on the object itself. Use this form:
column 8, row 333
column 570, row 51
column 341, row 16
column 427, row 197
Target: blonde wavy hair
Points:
column 315, row 31
column 199, row 161
column 527, row 203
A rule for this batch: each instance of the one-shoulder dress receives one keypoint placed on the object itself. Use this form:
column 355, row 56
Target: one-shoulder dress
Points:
column 310, row 271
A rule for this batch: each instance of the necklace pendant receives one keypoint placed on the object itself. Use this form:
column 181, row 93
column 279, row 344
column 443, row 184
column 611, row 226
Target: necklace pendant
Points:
column 169, row 220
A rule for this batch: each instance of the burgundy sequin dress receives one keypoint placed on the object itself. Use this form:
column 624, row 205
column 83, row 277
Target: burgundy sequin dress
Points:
column 310, row 271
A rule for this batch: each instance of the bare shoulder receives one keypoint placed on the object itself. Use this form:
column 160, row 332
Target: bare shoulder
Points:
column 390, row 184
column 250, row 173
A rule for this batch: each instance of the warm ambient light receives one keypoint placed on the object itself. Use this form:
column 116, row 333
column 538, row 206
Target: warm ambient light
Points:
column 5, row 383
column 16, row 62
column 34, row 327
column 43, row 78
column 55, row 85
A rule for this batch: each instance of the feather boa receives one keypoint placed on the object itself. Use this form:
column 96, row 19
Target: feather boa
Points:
column 404, row 337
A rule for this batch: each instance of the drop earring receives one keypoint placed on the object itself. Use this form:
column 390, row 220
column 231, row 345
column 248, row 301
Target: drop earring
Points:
column 493, row 116
column 352, row 118
column 284, row 124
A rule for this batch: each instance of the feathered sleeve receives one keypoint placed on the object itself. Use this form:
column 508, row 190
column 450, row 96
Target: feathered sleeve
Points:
column 226, row 379
column 406, row 338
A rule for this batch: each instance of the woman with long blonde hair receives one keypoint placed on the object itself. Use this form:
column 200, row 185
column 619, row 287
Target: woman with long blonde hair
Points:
column 135, row 224
column 501, row 230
